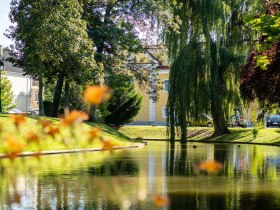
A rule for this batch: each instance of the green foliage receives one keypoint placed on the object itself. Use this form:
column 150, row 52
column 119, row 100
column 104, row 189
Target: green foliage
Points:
column 7, row 99
column 256, row 83
column 269, row 26
column 205, row 69
column 45, row 46
column 262, row 61
column 113, row 26
column 257, row 127
column 253, row 117
column 51, row 42
column 125, row 102
column 75, row 96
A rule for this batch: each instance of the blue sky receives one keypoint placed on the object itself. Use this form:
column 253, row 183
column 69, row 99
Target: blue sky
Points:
column 4, row 22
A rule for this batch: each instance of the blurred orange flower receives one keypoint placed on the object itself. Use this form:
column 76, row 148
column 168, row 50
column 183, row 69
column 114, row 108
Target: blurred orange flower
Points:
column 17, row 198
column 107, row 144
column 32, row 137
column 45, row 123
column 97, row 94
column 210, row 166
column 93, row 133
column 161, row 201
column 17, row 119
column 52, row 131
column 74, row 117
column 14, row 146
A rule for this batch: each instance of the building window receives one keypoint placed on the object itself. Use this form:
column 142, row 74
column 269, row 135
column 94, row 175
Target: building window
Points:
column 166, row 85
column 36, row 96
column 164, row 112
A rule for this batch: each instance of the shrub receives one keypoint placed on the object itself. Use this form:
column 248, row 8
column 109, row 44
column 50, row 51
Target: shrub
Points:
column 6, row 94
column 125, row 102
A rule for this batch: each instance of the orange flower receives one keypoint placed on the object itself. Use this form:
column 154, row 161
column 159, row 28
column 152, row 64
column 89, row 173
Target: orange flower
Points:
column 97, row 94
column 45, row 123
column 210, row 166
column 107, row 144
column 93, row 133
column 161, row 201
column 17, row 198
column 31, row 136
column 14, row 147
column 52, row 131
column 74, row 117
column 18, row 119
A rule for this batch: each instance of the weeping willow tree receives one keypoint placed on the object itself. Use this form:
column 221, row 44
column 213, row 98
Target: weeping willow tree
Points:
column 206, row 49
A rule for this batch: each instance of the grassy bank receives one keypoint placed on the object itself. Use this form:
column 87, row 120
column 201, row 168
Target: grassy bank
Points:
column 67, row 137
column 237, row 135
column 160, row 132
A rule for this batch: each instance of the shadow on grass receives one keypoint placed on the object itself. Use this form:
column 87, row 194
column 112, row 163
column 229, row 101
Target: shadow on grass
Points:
column 233, row 136
column 278, row 131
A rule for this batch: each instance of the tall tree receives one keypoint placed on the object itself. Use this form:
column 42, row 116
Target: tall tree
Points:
column 114, row 27
column 260, row 77
column 51, row 42
column 205, row 52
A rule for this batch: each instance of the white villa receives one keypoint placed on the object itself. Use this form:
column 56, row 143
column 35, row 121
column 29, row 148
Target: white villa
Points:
column 24, row 88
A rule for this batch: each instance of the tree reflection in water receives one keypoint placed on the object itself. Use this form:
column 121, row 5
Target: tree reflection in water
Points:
column 147, row 178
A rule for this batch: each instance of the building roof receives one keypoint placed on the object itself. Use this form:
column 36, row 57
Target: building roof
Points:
column 8, row 65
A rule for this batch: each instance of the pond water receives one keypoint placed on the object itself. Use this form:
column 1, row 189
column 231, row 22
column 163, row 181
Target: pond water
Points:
column 158, row 176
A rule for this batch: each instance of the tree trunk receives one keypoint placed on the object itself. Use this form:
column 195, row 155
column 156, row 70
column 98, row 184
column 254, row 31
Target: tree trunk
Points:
column 183, row 121
column 218, row 89
column 220, row 126
column 99, row 59
column 57, row 94
column 92, row 113
column 66, row 98
column 171, row 115
column 40, row 95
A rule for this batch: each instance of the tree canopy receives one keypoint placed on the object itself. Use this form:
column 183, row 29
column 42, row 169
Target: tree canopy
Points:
column 205, row 49
column 260, row 76
column 51, row 41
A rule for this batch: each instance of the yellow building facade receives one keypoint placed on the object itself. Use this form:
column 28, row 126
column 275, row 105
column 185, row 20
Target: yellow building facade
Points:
column 155, row 112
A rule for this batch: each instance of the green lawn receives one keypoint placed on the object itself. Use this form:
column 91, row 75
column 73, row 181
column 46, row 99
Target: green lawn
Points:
column 240, row 135
column 160, row 132
column 237, row 135
column 69, row 137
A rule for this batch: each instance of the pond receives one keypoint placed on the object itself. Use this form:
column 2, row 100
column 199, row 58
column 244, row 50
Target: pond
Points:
column 157, row 176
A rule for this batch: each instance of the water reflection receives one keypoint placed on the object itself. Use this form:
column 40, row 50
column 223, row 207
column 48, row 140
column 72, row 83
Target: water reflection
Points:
column 160, row 176
column 122, row 166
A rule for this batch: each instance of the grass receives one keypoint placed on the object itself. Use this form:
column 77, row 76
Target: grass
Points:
column 69, row 137
column 159, row 132
column 237, row 135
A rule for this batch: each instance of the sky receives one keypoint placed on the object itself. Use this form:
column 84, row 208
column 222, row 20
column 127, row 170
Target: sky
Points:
column 4, row 22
